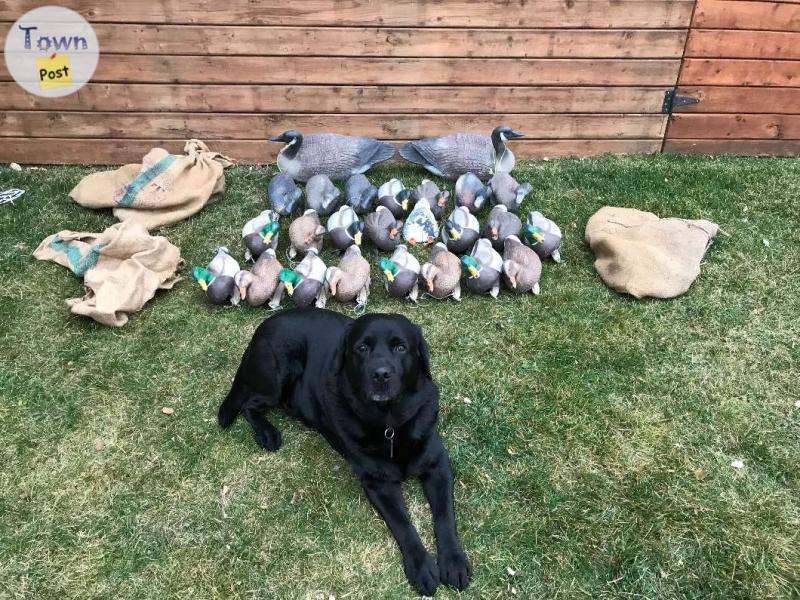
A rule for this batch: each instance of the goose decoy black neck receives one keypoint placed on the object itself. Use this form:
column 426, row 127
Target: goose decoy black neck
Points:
column 500, row 135
column 293, row 140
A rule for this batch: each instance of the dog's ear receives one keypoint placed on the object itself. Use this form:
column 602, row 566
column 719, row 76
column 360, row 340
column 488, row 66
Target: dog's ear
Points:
column 424, row 353
column 340, row 353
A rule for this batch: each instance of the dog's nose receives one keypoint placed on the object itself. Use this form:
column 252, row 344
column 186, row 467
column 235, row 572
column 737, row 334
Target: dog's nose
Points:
column 381, row 374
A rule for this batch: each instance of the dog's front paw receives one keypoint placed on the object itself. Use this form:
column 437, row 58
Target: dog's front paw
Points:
column 422, row 573
column 454, row 569
column 269, row 439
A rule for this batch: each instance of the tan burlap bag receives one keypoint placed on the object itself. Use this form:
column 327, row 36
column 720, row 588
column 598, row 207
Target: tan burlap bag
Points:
column 121, row 268
column 164, row 189
column 639, row 254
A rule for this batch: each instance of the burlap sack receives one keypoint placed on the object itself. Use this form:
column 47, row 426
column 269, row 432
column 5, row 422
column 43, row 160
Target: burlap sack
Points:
column 164, row 189
column 641, row 255
column 121, row 268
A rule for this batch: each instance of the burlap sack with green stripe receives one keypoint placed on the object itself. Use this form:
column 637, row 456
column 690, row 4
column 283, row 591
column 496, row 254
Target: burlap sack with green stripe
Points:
column 164, row 189
column 122, row 268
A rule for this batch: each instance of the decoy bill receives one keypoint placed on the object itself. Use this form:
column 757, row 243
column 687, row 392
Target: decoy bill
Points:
column 337, row 156
column 453, row 155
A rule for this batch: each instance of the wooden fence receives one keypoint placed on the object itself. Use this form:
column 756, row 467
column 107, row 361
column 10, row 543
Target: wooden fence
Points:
column 577, row 76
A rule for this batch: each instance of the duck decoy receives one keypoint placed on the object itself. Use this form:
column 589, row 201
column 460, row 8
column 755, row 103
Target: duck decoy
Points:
column 383, row 229
column 451, row 156
column 283, row 194
column 305, row 232
column 482, row 268
column 331, row 154
column 460, row 230
column 260, row 283
column 306, row 283
column 543, row 235
column 360, row 193
column 420, row 227
column 401, row 274
column 522, row 267
column 345, row 228
column 471, row 192
column 217, row 279
column 261, row 233
column 442, row 274
column 436, row 198
column 394, row 196
column 349, row 281
column 500, row 224
column 321, row 194
column 506, row 191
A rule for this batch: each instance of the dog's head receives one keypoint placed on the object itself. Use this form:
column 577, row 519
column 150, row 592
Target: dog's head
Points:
column 385, row 358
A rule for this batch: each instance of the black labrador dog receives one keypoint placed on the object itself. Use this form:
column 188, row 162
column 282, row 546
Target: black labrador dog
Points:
column 366, row 386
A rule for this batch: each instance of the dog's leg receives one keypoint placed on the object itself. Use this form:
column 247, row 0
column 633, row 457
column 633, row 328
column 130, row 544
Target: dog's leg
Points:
column 454, row 567
column 420, row 568
column 254, row 411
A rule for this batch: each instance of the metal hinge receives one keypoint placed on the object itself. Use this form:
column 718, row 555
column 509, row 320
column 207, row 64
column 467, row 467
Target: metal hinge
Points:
column 672, row 100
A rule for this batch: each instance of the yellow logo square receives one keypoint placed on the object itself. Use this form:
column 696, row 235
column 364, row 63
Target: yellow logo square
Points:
column 54, row 71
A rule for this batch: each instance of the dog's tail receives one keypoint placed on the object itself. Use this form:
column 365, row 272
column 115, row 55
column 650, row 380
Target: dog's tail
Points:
column 232, row 405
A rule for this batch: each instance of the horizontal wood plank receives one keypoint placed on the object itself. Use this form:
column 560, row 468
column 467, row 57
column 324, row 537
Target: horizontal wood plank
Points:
column 412, row 13
column 713, row 43
column 385, row 41
column 114, row 68
column 118, row 151
column 738, row 147
column 741, row 100
column 712, row 126
column 738, row 72
column 337, row 99
column 743, row 14
column 210, row 126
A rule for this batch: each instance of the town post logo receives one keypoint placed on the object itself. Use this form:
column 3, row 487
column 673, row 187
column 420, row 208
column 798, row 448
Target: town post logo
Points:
column 51, row 51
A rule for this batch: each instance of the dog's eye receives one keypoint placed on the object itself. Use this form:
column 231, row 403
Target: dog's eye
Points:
column 362, row 348
column 399, row 348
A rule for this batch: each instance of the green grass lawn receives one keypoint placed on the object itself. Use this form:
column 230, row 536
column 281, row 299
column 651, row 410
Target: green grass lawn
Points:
column 591, row 435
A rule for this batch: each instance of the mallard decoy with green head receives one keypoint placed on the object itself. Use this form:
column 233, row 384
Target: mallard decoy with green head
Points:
column 345, row 228
column 306, row 283
column 261, row 233
column 401, row 274
column 217, row 279
column 543, row 236
column 396, row 197
column 460, row 230
column 482, row 269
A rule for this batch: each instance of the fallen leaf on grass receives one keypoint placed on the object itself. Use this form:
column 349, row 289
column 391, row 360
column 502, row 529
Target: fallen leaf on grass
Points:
column 167, row 410
column 766, row 242
column 797, row 403
column 514, row 572
column 15, row 167
column 700, row 474
column 100, row 444
column 737, row 464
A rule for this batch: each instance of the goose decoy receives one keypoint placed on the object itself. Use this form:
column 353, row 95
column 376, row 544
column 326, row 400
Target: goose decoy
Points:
column 349, row 281
column 401, row 274
column 420, row 227
column 543, row 235
column 436, row 198
column 383, row 229
column 331, row 154
column 460, row 230
column 283, row 194
column 500, row 224
column 451, row 156
column 321, row 194
column 482, row 268
column 261, row 233
column 217, row 279
column 305, row 232
column 471, row 192
column 394, row 196
column 506, row 191
column 442, row 274
column 360, row 193
column 306, row 283
column 345, row 228
column 522, row 267
column 260, row 284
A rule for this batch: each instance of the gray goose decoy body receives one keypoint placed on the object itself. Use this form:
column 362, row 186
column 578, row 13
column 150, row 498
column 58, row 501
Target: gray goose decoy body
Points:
column 500, row 224
column 360, row 193
column 471, row 192
column 283, row 194
column 522, row 268
column 482, row 268
column 383, row 229
column 460, row 230
column 394, row 196
column 337, row 156
column 345, row 228
column 506, row 191
column 543, row 235
column 321, row 194
column 437, row 199
column 453, row 155
column 260, row 233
